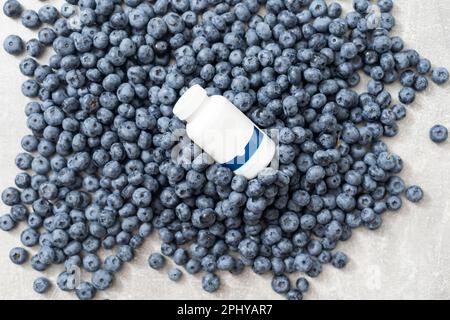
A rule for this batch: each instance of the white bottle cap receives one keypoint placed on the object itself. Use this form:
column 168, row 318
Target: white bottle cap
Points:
column 189, row 102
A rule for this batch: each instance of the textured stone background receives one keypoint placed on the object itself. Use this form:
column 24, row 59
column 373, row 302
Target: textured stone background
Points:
column 408, row 258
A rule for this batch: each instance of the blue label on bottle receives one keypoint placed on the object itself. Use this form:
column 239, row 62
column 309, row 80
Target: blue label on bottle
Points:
column 250, row 149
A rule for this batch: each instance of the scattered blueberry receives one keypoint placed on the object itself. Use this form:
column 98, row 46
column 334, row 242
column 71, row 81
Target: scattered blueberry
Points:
column 440, row 75
column 438, row 133
column 102, row 279
column 41, row 285
column 210, row 282
column 339, row 260
column 414, row 193
column 281, row 284
column 30, row 19
column 13, row 45
column 156, row 261
column 302, row 284
column 85, row 291
column 174, row 274
column 6, row 222
column 12, row 8
column 18, row 255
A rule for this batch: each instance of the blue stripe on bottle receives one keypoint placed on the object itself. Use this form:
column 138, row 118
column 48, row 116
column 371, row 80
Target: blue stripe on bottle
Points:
column 250, row 149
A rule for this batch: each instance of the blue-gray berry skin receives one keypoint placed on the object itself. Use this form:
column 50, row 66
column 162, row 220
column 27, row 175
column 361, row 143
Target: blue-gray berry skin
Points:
column 112, row 263
column 11, row 196
column 18, row 255
column 438, row 133
column 41, row 285
column 102, row 279
column 399, row 111
column 440, row 75
column 85, row 291
column 281, row 284
column 302, row 284
column 407, row 95
column 174, row 274
column 294, row 294
column 7, row 223
column 193, row 266
column 125, row 253
column 46, row 255
column 19, row 212
column 34, row 48
column 91, row 263
column 48, row 14
column 30, row 19
column 394, row 203
column 27, row 67
column 12, row 8
column 210, row 282
column 339, row 260
column 156, row 261
column 67, row 10
column 13, row 45
column 414, row 194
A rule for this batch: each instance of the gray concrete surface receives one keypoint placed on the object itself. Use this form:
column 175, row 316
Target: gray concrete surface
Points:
column 408, row 258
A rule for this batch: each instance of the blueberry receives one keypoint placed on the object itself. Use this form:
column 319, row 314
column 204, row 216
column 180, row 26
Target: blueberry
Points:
column 13, row 45
column 41, row 285
column 414, row 194
column 439, row 75
column 91, row 263
column 208, row 263
column 261, row 265
column 67, row 10
column 302, row 284
column 289, row 222
column 156, row 261
column 11, row 196
column 125, row 253
column 438, row 133
column 399, row 111
column 85, row 291
column 421, row 83
column 102, row 279
column 112, row 263
column 28, row 66
column 30, row 88
column 349, row 50
column 48, row 14
column 19, row 212
column 281, row 284
column 303, row 262
column 66, row 281
column 424, row 66
column 6, row 222
column 339, row 260
column 318, row 8
column 193, row 266
column 210, row 282
column 12, row 8
column 394, row 203
column 18, row 255
column 37, row 265
column 30, row 19
column 248, row 248
column 175, row 274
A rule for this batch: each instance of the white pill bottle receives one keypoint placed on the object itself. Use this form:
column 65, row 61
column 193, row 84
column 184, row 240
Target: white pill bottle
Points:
column 224, row 132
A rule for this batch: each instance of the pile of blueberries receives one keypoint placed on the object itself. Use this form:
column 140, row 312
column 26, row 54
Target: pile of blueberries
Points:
column 97, row 167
